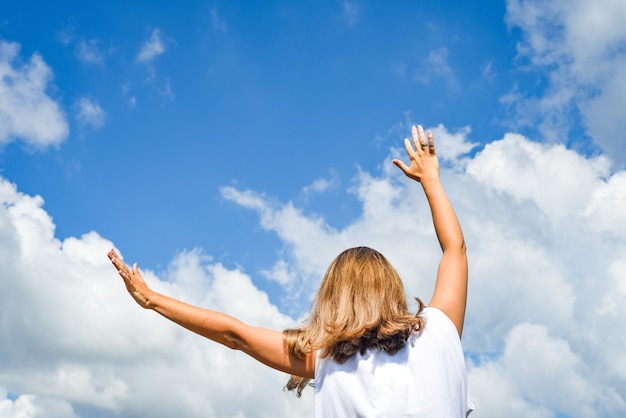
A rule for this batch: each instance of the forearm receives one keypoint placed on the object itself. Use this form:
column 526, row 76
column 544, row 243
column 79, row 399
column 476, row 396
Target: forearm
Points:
column 213, row 325
column 265, row 345
column 450, row 294
column 446, row 223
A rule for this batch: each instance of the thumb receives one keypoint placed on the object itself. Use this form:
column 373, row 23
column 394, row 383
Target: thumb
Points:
column 401, row 166
column 136, row 272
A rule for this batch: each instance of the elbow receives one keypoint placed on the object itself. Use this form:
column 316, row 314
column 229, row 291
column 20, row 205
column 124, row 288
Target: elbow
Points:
column 232, row 341
column 456, row 246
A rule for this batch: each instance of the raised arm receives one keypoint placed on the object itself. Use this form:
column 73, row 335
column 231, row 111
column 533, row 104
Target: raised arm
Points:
column 450, row 295
column 266, row 345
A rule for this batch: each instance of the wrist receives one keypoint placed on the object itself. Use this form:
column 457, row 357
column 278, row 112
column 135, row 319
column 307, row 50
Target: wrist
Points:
column 154, row 300
column 430, row 181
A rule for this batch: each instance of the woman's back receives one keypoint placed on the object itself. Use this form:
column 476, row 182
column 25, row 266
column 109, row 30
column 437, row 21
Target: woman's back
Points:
column 426, row 378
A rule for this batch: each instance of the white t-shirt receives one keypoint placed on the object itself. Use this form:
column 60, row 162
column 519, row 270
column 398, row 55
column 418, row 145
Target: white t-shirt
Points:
column 426, row 378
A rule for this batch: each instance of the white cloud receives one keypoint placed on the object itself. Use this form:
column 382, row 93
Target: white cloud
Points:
column 27, row 112
column 89, row 113
column 152, row 48
column 450, row 146
column 31, row 406
column 149, row 52
column 89, row 51
column 580, row 46
column 546, row 284
column 556, row 179
column 320, row 185
column 280, row 273
column 539, row 375
column 69, row 333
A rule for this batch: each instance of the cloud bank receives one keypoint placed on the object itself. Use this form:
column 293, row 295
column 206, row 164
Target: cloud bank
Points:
column 71, row 338
column 544, row 330
column 545, row 227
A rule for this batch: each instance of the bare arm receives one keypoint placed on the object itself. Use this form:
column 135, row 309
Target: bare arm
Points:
column 266, row 345
column 450, row 295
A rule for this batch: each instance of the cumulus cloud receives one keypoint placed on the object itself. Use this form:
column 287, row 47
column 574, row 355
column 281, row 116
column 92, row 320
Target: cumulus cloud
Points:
column 89, row 113
column 27, row 406
column 580, row 46
column 69, row 335
column 544, row 330
column 561, row 388
column 546, row 284
column 452, row 145
column 27, row 112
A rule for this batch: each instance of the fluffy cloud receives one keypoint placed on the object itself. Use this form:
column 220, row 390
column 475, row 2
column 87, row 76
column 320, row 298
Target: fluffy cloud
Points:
column 580, row 44
column 543, row 329
column 544, row 332
column 70, row 336
column 27, row 112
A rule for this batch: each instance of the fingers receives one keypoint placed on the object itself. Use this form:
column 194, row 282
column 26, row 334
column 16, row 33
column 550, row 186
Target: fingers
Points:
column 421, row 138
column 401, row 165
column 431, row 142
column 120, row 266
column 112, row 254
column 137, row 274
column 409, row 149
column 415, row 136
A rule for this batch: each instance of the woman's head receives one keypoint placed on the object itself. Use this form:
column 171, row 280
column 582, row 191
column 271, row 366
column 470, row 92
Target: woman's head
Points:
column 360, row 290
column 360, row 304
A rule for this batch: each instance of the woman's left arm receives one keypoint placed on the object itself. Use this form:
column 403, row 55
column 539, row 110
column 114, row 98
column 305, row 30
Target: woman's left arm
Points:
column 266, row 345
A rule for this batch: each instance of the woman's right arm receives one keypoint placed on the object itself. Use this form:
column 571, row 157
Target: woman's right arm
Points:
column 266, row 345
column 450, row 294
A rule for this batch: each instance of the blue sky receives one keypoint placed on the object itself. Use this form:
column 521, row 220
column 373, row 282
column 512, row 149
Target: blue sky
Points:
column 233, row 149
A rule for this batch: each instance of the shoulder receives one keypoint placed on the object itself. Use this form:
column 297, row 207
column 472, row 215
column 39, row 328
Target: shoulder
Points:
column 438, row 322
column 436, row 315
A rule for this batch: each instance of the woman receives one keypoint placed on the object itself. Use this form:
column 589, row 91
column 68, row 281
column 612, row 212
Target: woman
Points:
column 368, row 355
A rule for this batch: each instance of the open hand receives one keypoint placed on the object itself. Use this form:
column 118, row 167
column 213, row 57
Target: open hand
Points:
column 424, row 164
column 135, row 284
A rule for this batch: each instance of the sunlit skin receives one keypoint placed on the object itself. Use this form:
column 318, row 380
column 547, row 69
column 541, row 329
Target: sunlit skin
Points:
column 269, row 346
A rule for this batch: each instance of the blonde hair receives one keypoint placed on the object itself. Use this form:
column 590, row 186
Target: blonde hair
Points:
column 360, row 304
